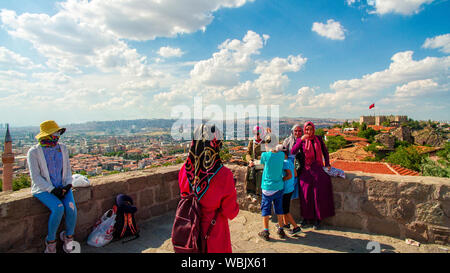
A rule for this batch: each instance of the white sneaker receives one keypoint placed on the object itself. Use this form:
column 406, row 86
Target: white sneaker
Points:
column 68, row 246
column 50, row 247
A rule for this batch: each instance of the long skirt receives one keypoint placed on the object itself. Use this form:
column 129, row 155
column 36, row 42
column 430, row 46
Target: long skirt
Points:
column 316, row 193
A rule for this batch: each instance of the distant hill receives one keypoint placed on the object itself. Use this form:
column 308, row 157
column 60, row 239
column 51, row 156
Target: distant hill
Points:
column 164, row 125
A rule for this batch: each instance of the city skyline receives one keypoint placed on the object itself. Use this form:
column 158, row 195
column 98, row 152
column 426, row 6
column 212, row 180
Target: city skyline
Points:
column 78, row 61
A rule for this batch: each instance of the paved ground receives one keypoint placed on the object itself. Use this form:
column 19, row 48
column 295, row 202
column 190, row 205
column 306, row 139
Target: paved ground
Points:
column 155, row 238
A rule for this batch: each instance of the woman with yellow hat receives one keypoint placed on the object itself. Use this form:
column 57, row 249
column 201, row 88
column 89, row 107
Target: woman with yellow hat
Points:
column 51, row 182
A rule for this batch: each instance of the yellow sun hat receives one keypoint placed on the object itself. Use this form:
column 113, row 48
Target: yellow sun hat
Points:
column 49, row 127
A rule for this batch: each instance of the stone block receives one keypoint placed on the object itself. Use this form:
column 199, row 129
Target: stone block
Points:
column 170, row 176
column 88, row 213
column 441, row 235
column 17, row 208
column 146, row 198
column 383, row 226
column 381, row 188
column 36, row 207
column 403, row 210
column 374, row 206
column 357, row 185
column 349, row 220
column 174, row 189
column 352, row 202
column 442, row 192
column 162, row 192
column 14, row 235
column 337, row 198
column 82, row 194
column 417, row 191
column 138, row 183
column 106, row 204
column 39, row 225
column 340, row 184
column 109, row 189
column 417, row 231
column 432, row 212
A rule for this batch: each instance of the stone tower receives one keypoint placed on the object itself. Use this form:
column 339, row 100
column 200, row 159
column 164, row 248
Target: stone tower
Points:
column 8, row 161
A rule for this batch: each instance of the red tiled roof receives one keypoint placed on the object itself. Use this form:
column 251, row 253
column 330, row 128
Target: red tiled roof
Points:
column 404, row 171
column 367, row 167
column 373, row 167
column 353, row 138
column 380, row 128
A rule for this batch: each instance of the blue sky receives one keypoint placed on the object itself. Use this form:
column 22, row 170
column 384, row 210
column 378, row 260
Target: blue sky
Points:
column 75, row 61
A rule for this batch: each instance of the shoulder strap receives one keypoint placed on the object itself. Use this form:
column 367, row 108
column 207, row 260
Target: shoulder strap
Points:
column 212, row 224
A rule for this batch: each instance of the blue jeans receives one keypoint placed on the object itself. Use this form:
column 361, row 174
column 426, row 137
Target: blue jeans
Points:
column 57, row 208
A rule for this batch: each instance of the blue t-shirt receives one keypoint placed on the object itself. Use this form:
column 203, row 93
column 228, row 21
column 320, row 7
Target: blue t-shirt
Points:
column 289, row 184
column 53, row 158
column 272, row 178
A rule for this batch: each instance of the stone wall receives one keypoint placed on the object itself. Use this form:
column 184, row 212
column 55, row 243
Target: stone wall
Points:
column 23, row 219
column 399, row 206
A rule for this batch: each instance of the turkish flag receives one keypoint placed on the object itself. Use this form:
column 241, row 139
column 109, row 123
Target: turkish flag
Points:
column 372, row 106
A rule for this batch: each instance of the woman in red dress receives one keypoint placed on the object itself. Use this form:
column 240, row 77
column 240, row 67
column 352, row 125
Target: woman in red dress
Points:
column 214, row 186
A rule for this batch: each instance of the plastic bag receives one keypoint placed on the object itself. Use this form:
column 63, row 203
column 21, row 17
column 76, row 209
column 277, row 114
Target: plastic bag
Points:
column 103, row 230
column 334, row 172
column 79, row 180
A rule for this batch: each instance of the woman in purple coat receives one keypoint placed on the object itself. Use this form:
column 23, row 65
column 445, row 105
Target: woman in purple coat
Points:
column 316, row 192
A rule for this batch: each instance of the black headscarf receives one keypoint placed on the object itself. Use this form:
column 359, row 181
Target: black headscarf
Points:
column 203, row 161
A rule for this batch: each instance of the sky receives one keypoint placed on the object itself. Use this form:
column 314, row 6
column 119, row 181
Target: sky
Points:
column 76, row 61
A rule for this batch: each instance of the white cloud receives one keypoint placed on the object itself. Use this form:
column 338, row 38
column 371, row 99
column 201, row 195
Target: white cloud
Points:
column 10, row 59
column 351, row 2
column 168, row 52
column 332, row 29
column 405, row 7
column 218, row 78
column 146, row 20
column 441, row 41
column 417, row 88
column 234, row 57
column 84, row 34
column 416, row 78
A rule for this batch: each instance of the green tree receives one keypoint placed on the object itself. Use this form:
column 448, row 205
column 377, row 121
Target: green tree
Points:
column 320, row 132
column 335, row 143
column 21, row 182
column 225, row 153
column 407, row 157
column 386, row 123
column 431, row 168
column 368, row 134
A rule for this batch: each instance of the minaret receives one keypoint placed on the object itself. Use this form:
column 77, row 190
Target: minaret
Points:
column 8, row 161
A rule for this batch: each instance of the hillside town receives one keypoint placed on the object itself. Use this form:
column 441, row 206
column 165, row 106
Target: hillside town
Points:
column 362, row 146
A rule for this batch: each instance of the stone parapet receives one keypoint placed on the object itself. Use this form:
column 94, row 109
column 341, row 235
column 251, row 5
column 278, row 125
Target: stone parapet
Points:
column 23, row 219
column 399, row 206
column 413, row 207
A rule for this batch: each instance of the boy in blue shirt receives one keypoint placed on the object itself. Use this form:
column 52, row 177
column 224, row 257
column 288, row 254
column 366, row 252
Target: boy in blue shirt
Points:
column 289, row 185
column 272, row 185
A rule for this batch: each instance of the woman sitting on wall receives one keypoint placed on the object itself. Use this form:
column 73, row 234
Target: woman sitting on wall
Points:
column 51, row 182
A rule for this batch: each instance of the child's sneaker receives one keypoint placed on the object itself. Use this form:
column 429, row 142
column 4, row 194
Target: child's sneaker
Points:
column 264, row 234
column 287, row 226
column 68, row 246
column 295, row 231
column 50, row 247
column 281, row 233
